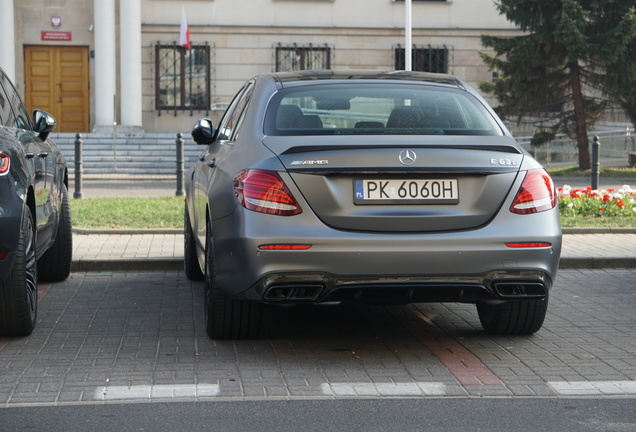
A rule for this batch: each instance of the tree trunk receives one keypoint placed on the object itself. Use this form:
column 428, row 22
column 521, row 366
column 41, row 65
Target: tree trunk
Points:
column 579, row 117
column 630, row 110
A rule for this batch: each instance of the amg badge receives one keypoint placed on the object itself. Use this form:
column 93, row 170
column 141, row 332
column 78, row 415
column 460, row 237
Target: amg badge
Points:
column 311, row 162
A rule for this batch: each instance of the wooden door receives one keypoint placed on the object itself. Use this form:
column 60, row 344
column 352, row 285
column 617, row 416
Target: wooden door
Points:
column 57, row 81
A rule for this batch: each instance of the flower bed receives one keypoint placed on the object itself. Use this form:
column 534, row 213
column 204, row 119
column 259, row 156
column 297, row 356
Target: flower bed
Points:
column 598, row 203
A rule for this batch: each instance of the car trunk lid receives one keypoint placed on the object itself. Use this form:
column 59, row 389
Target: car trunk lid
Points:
column 428, row 184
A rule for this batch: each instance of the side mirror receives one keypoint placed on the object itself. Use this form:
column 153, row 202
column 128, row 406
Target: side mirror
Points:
column 44, row 123
column 203, row 132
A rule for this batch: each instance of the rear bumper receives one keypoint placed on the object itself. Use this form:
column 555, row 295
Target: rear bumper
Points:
column 464, row 266
column 322, row 288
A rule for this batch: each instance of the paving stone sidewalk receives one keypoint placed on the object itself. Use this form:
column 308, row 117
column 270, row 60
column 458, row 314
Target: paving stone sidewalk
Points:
column 140, row 337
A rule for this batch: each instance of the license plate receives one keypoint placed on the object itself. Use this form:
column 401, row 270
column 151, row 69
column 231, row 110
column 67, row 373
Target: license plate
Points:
column 406, row 191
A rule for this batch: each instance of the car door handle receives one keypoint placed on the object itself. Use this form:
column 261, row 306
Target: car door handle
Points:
column 212, row 163
column 29, row 155
column 43, row 154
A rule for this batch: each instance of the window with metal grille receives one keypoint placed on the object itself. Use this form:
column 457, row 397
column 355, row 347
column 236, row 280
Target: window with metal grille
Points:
column 182, row 77
column 302, row 57
column 425, row 58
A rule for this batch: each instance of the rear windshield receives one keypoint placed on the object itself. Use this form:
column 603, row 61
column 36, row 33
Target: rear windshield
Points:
column 377, row 110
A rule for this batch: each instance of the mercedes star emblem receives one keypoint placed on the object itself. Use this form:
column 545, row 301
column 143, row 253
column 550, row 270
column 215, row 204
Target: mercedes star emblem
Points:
column 407, row 157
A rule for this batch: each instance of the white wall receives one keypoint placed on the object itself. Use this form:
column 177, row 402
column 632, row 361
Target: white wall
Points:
column 464, row 14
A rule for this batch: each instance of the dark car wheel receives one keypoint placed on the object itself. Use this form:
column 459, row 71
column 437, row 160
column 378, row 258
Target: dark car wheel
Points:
column 55, row 264
column 522, row 317
column 191, row 262
column 227, row 318
column 19, row 293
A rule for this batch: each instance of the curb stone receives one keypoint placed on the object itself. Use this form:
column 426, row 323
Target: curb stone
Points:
column 127, row 231
column 149, row 264
column 145, row 264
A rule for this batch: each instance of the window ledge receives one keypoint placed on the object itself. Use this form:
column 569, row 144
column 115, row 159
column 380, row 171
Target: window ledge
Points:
column 446, row 2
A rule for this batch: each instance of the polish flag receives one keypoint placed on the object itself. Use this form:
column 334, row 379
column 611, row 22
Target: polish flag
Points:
column 184, row 33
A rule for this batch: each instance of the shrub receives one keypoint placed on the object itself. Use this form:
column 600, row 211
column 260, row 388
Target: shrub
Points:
column 597, row 203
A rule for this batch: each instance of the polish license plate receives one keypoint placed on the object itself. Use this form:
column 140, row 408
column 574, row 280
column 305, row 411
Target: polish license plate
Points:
column 406, row 191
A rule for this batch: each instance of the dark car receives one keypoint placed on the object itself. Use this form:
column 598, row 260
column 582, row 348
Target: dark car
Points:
column 35, row 214
column 397, row 187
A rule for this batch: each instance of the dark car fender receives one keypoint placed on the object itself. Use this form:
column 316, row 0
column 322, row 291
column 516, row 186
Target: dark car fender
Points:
column 15, row 196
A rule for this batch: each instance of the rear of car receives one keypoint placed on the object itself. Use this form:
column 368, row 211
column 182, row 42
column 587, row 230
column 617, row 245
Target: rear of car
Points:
column 386, row 188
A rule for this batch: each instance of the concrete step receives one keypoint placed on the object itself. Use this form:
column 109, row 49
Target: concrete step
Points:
column 132, row 154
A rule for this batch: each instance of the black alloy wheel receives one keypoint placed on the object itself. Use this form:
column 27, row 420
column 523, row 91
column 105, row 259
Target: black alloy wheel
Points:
column 520, row 317
column 55, row 264
column 227, row 318
column 19, row 293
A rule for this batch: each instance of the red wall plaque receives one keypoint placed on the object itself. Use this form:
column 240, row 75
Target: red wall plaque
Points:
column 56, row 36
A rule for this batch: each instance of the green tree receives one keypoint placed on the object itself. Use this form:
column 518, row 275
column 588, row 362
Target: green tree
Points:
column 556, row 69
column 617, row 19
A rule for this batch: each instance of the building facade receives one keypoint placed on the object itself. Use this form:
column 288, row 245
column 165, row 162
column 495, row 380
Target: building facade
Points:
column 104, row 63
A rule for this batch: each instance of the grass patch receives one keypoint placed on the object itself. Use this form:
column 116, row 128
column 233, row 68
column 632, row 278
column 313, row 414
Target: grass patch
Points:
column 167, row 212
column 598, row 222
column 114, row 213
column 574, row 171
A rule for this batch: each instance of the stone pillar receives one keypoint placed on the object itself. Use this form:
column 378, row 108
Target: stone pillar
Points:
column 130, row 64
column 7, row 36
column 105, row 63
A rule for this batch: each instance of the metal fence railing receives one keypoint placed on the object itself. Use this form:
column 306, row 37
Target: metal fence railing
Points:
column 426, row 58
column 295, row 57
column 183, row 77
column 617, row 142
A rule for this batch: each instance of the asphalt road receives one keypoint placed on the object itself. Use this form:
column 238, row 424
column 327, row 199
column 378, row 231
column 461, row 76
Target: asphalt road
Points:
column 448, row 415
column 128, row 351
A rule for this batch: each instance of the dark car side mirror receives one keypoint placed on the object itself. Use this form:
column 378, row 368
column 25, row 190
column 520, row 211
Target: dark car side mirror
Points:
column 203, row 132
column 44, row 124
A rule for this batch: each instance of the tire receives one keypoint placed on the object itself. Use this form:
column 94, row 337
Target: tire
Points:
column 191, row 261
column 55, row 264
column 521, row 317
column 19, row 293
column 227, row 318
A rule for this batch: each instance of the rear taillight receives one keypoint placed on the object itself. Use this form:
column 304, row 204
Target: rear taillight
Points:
column 536, row 193
column 265, row 191
column 5, row 162
column 520, row 245
column 285, row 247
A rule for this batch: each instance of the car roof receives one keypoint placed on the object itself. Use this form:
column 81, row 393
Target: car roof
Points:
column 288, row 78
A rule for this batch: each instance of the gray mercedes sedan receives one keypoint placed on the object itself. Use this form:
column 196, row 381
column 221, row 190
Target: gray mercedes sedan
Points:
column 379, row 187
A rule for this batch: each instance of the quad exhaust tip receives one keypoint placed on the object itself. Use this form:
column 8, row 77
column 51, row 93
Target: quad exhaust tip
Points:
column 520, row 290
column 290, row 292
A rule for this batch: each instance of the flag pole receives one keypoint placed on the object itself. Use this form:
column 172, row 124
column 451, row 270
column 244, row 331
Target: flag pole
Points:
column 407, row 36
column 184, row 31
